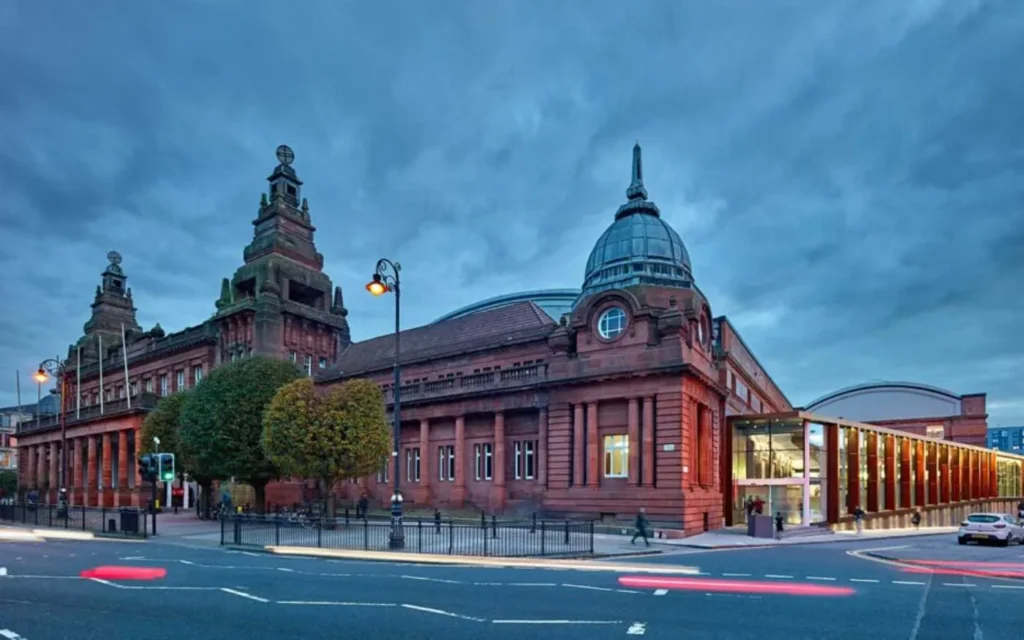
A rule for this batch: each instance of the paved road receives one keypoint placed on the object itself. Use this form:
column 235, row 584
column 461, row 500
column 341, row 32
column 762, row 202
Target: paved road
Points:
column 212, row 593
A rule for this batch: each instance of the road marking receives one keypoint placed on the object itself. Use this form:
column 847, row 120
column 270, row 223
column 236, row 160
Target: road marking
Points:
column 442, row 613
column 636, row 629
column 919, row 616
column 736, row 575
column 819, row 578
column 133, row 558
column 431, row 579
column 10, row 635
column 583, row 586
column 660, row 592
column 337, row 604
column 556, row 621
column 140, row 588
column 862, row 580
column 251, row 554
column 286, row 569
column 1005, row 586
column 918, row 584
column 777, row 576
column 530, row 584
column 957, row 584
column 188, row 562
column 242, row 594
column 626, row 591
column 487, row 584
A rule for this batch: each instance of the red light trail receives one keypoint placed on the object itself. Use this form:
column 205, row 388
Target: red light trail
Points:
column 733, row 586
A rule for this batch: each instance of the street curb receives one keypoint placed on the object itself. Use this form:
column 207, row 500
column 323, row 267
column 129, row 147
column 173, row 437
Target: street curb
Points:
column 910, row 563
column 412, row 560
column 805, row 542
column 44, row 533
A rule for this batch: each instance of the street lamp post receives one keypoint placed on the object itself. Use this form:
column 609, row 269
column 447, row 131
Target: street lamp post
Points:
column 386, row 277
column 53, row 367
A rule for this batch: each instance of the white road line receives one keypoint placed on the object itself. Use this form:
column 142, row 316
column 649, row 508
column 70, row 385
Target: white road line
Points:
column 532, row 584
column 242, row 594
column 249, row 553
column 862, row 580
column 556, row 621
column 918, row 584
column 626, row 591
column 777, row 576
column 487, row 584
column 589, row 588
column 10, row 635
column 1005, row 586
column 337, row 604
column 957, row 584
column 286, row 569
column 636, row 629
column 820, row 578
column 188, row 562
column 431, row 579
column 3, row 571
column 660, row 592
column 141, row 588
column 441, row 612
column 736, row 575
column 133, row 558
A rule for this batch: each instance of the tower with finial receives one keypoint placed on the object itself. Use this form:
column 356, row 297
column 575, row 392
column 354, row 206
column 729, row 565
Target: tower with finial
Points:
column 279, row 302
column 112, row 306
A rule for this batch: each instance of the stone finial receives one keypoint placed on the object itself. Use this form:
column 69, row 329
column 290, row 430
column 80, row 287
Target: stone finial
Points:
column 339, row 301
column 225, row 293
column 305, row 206
column 129, row 292
column 263, row 200
column 157, row 331
column 636, row 190
column 98, row 290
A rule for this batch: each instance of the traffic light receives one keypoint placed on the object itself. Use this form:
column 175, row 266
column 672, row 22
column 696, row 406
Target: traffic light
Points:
column 148, row 467
column 166, row 464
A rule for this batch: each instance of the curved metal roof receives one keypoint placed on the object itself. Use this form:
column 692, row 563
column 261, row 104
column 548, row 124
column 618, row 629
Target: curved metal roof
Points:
column 881, row 384
column 554, row 302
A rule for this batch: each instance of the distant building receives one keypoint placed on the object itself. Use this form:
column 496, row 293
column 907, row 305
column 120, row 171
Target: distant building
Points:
column 912, row 407
column 1006, row 439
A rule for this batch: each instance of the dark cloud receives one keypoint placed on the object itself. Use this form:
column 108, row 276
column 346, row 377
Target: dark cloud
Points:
column 847, row 177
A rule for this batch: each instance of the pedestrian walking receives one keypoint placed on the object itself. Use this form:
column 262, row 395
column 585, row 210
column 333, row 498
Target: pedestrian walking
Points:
column 437, row 520
column 778, row 525
column 858, row 518
column 641, row 527
column 364, row 506
column 916, row 519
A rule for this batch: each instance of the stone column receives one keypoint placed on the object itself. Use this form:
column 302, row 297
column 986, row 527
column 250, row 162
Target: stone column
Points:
column 137, row 489
column 498, row 494
column 92, row 479
column 458, row 494
column 123, row 498
column 872, row 451
column 54, row 470
column 30, row 465
column 425, row 459
column 832, row 507
column 578, row 442
column 593, row 447
column 890, row 472
column 633, row 421
column 76, row 465
column 649, row 462
column 42, row 471
column 542, row 448
column 108, row 472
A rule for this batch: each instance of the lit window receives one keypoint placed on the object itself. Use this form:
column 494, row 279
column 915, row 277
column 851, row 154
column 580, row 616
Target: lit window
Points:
column 323, row 363
column 616, row 456
column 611, row 323
column 309, row 365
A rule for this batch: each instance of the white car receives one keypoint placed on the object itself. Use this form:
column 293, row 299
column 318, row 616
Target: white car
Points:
column 990, row 527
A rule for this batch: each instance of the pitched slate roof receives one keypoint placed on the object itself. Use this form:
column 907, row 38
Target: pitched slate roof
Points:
column 504, row 326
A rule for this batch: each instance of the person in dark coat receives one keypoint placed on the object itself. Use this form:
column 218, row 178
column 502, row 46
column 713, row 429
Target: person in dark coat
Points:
column 641, row 525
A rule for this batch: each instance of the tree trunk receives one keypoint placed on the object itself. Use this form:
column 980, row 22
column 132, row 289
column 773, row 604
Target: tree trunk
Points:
column 260, row 489
column 205, row 502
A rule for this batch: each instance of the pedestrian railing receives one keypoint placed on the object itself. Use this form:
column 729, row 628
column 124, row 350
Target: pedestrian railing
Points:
column 128, row 521
column 535, row 537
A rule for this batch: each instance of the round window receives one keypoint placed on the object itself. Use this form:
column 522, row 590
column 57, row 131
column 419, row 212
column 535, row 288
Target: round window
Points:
column 612, row 323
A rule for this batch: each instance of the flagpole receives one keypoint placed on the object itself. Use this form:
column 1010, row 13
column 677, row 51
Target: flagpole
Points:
column 17, row 387
column 124, row 356
column 102, row 393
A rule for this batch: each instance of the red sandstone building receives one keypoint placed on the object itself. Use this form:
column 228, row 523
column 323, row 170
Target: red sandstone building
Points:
column 620, row 402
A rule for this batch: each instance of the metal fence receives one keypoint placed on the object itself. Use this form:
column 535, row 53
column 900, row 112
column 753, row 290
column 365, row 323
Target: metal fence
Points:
column 494, row 538
column 128, row 521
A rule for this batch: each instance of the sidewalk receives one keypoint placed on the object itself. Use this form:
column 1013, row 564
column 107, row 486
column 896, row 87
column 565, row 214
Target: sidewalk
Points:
column 728, row 539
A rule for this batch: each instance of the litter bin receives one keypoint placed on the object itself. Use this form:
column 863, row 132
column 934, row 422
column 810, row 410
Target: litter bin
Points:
column 129, row 521
column 759, row 526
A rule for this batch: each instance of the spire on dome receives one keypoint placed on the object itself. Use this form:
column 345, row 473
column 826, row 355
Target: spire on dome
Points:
column 636, row 190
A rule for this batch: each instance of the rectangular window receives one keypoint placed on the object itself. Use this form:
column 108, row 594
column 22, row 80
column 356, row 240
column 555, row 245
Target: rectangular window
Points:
column 412, row 465
column 382, row 475
column 120, row 392
column 294, row 357
column 322, row 363
column 451, row 462
column 180, row 382
column 488, row 462
column 478, row 462
column 616, row 456
column 309, row 365
column 729, row 378
column 517, row 460
column 163, row 384
column 149, row 385
column 531, row 465
column 742, row 391
column 442, row 468
column 197, row 374
column 135, row 388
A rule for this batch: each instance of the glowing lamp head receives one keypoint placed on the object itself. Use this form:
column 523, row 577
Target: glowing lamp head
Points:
column 41, row 376
column 377, row 286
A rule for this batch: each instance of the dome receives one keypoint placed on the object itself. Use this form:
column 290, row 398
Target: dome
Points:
column 639, row 248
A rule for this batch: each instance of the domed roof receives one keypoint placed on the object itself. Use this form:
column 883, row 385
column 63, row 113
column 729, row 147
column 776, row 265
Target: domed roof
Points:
column 639, row 247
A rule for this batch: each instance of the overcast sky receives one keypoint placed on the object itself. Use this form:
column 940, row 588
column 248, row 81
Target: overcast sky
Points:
column 847, row 176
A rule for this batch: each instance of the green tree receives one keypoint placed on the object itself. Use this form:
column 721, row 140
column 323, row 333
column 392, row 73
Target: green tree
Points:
column 222, row 423
column 329, row 435
column 8, row 483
